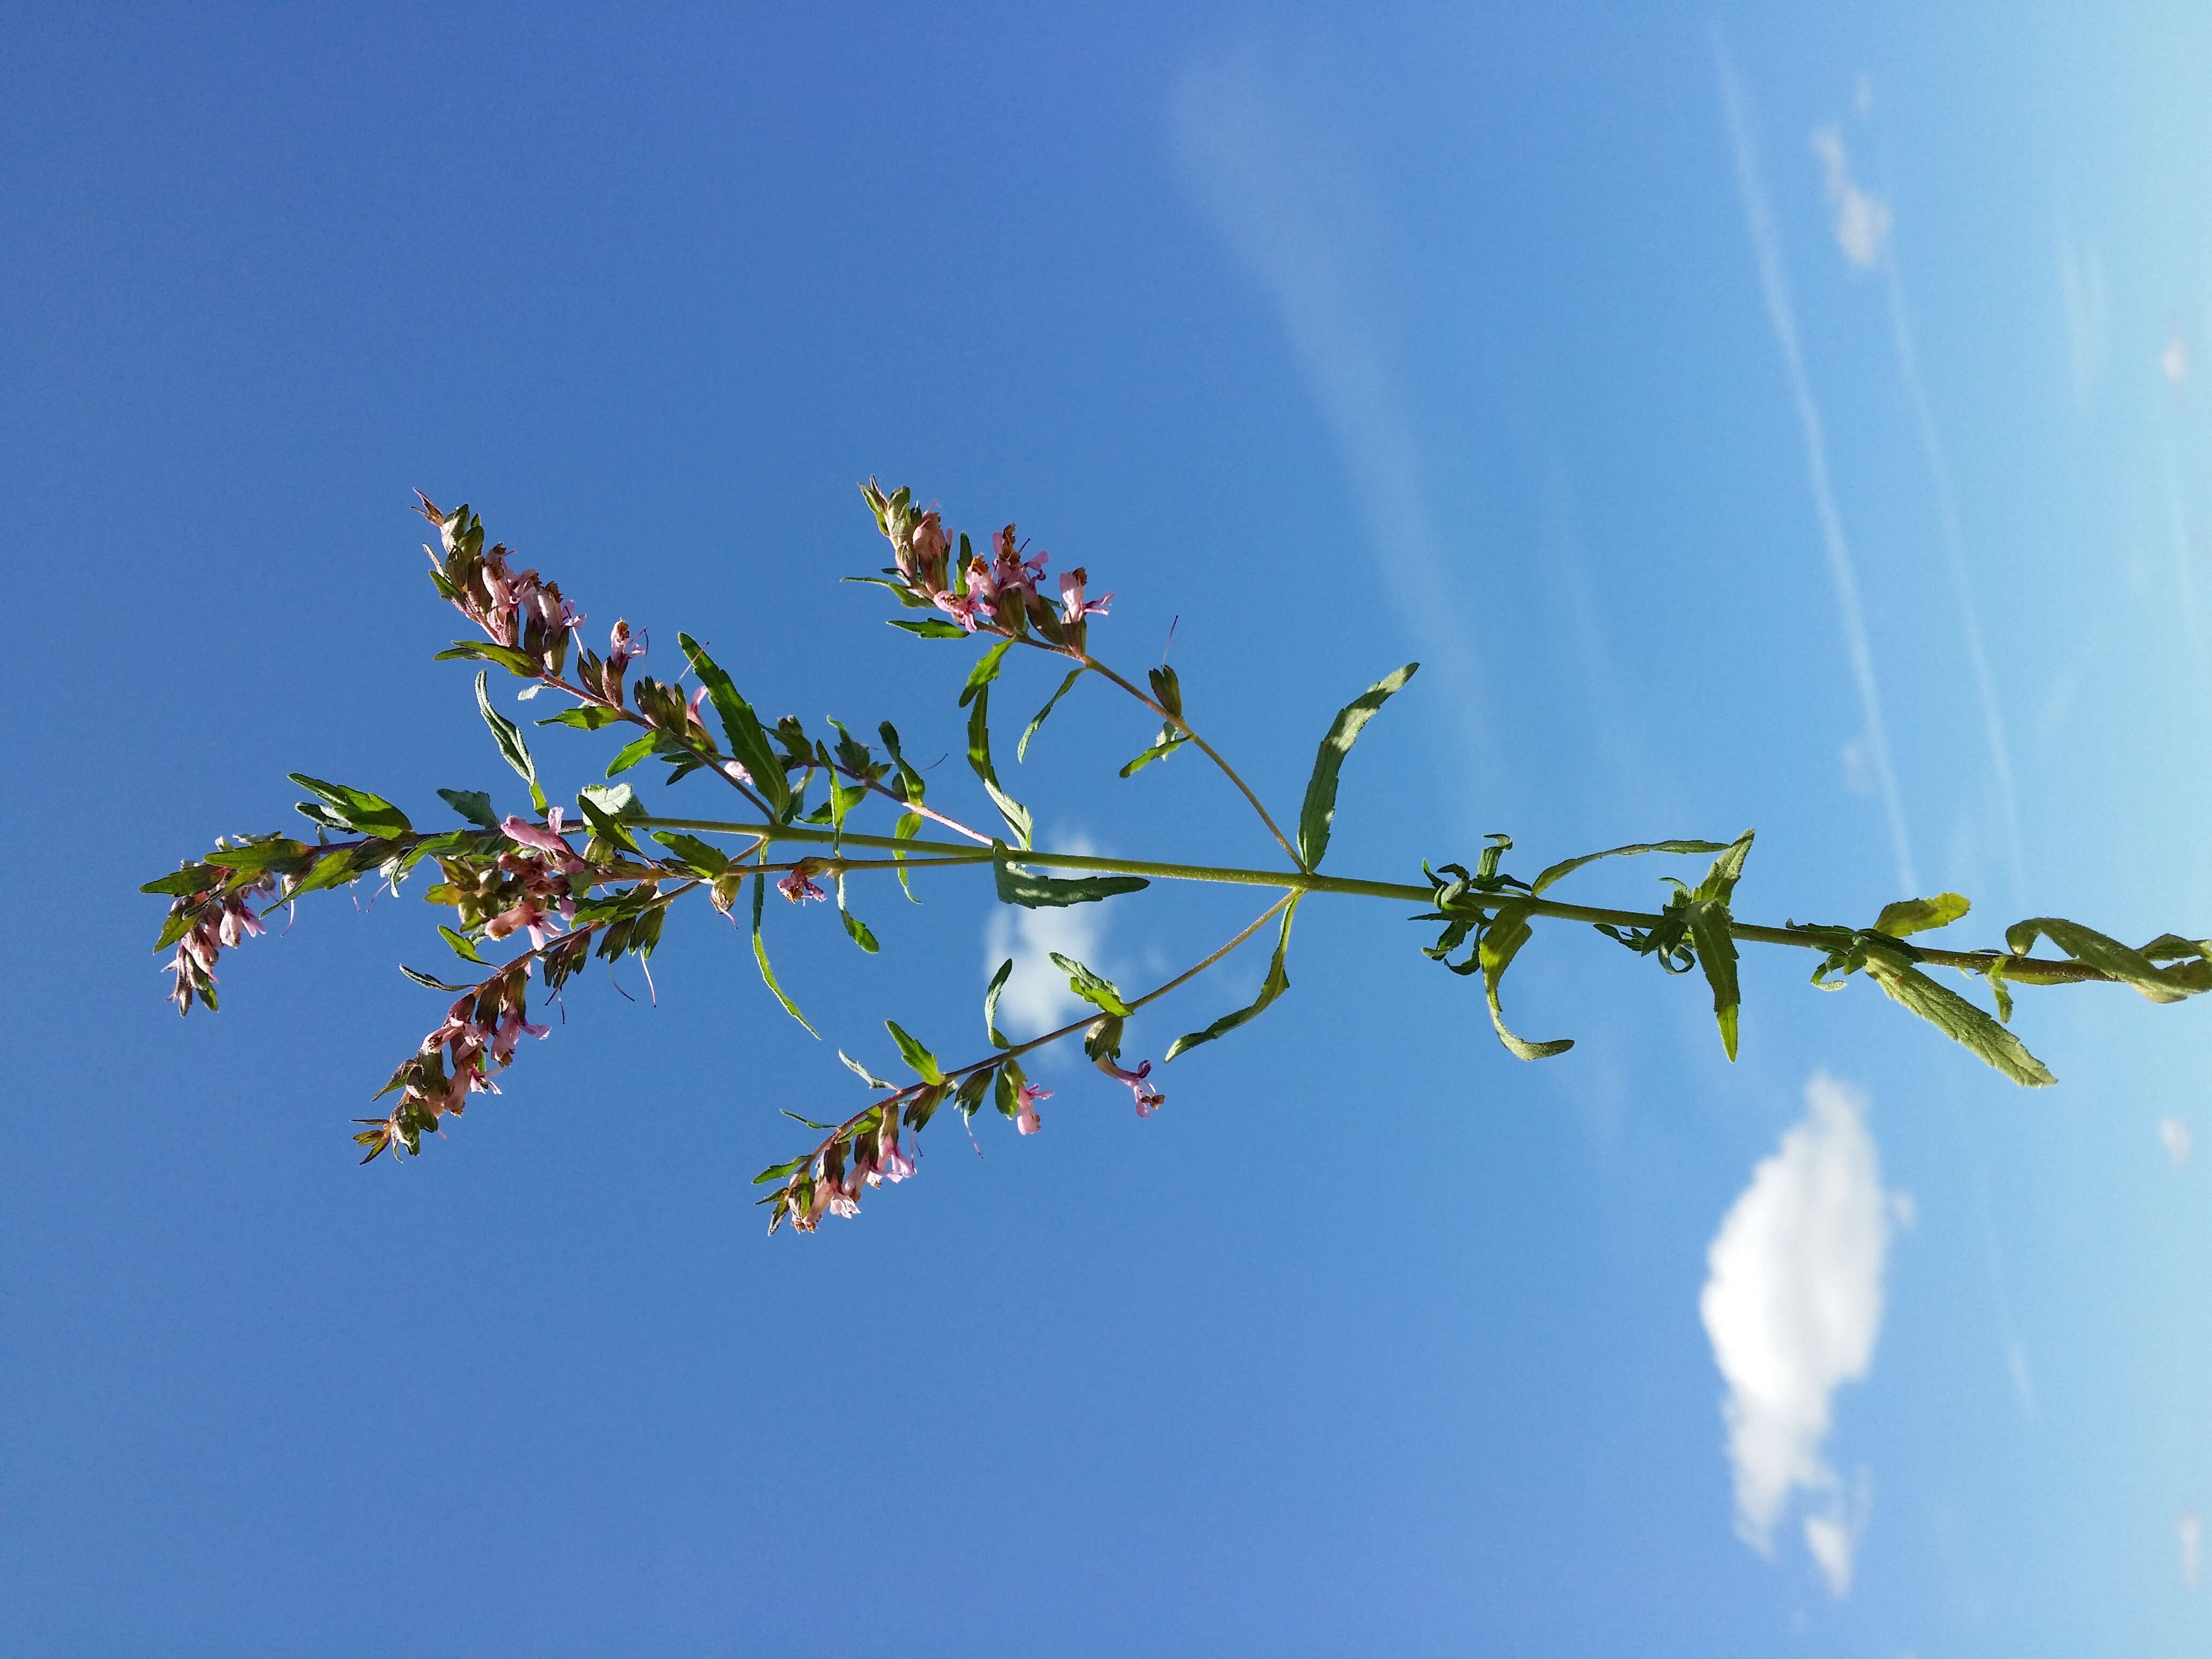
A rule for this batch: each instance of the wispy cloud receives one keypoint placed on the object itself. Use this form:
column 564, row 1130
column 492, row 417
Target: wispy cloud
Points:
column 1792, row 1305
column 1279, row 198
column 1037, row 998
column 1774, row 283
column 1861, row 217
column 1962, row 587
column 2173, row 1135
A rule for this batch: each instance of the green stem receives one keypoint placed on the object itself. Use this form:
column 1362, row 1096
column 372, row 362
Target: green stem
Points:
column 1205, row 748
column 2018, row 970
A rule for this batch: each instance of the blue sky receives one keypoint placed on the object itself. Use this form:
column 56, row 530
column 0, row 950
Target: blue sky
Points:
column 1798, row 423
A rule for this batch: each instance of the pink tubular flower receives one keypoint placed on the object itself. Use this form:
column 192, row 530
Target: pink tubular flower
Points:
column 1071, row 600
column 624, row 647
column 692, row 707
column 545, row 839
column 796, row 887
column 1149, row 1099
column 961, row 607
column 1028, row 1122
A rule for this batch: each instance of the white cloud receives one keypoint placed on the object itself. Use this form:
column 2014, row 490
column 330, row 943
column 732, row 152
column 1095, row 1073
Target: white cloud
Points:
column 2173, row 1135
column 1037, row 998
column 1792, row 1305
column 2189, row 1531
column 1861, row 217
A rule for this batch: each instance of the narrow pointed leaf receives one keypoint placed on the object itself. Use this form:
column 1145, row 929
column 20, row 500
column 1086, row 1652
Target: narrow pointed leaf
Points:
column 474, row 805
column 1960, row 1020
column 855, row 929
column 748, row 741
column 372, row 815
column 979, row 757
column 1716, row 947
column 865, row 1074
column 1319, row 812
column 923, row 1062
column 760, row 954
column 1568, row 866
column 1021, row 748
column 508, row 736
column 1033, row 891
column 1720, row 881
column 1273, row 986
column 464, row 947
column 991, row 1003
column 1501, row 942
column 985, row 671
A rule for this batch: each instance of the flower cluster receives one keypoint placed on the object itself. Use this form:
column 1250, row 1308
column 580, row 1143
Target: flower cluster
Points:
column 997, row 595
column 526, row 888
column 211, row 923
column 861, row 1153
column 477, row 1037
column 519, row 611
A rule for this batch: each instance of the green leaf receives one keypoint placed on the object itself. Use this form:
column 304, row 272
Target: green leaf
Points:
column 1720, row 881
column 1919, row 916
column 2123, row 962
column 985, row 671
column 972, row 1088
column 372, row 815
column 1501, row 941
column 906, row 828
column 933, row 628
column 631, row 753
column 1715, row 948
column 748, row 741
column 616, row 800
column 991, row 1003
column 979, row 757
column 865, row 1074
column 923, row 1062
column 1026, row 888
column 1160, row 750
column 1007, row 1095
column 585, row 717
column 1957, row 1018
column 760, row 954
column 1570, row 866
column 1319, row 812
column 1167, row 690
column 182, row 883
column 464, row 947
column 330, row 870
column 855, row 929
column 433, row 982
column 1273, row 986
column 1021, row 748
column 703, row 858
column 512, row 748
column 778, row 1171
column 1996, row 972
column 474, row 805
column 516, row 662
column 1096, row 989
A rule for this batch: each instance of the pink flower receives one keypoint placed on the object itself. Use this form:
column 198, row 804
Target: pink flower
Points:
column 961, row 607
column 545, row 839
column 624, row 647
column 1071, row 600
column 894, row 1165
column 692, row 707
column 796, row 887
column 1028, row 1122
column 1149, row 1099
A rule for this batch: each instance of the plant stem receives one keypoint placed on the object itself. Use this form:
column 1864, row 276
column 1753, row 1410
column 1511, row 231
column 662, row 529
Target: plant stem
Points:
column 1205, row 748
column 2018, row 970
